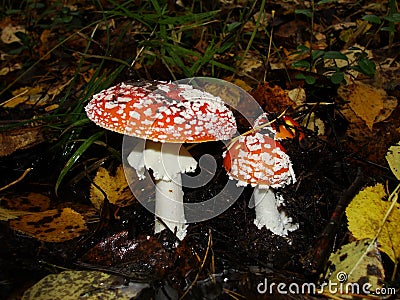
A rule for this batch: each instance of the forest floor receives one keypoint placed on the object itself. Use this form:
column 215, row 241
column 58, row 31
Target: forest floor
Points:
column 332, row 66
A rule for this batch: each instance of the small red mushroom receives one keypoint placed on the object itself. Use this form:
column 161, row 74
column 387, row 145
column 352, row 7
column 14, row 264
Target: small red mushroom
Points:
column 167, row 114
column 258, row 160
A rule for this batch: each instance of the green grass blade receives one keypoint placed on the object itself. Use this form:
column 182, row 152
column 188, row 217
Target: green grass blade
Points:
column 78, row 153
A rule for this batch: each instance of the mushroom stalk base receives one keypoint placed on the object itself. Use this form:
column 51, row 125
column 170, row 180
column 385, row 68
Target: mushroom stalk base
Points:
column 268, row 215
column 169, row 207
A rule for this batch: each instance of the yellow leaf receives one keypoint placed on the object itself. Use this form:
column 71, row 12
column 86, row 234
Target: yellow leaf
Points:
column 51, row 225
column 31, row 202
column 242, row 84
column 365, row 214
column 23, row 95
column 8, row 35
column 371, row 104
column 71, row 285
column 356, row 263
column 115, row 187
column 393, row 159
column 8, row 214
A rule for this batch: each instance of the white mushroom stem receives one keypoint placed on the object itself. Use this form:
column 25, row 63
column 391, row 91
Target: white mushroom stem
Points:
column 268, row 215
column 169, row 207
column 167, row 161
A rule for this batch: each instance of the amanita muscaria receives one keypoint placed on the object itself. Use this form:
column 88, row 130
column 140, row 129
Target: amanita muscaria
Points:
column 165, row 115
column 259, row 160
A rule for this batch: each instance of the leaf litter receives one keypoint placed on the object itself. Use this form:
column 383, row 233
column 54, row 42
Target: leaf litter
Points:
column 349, row 131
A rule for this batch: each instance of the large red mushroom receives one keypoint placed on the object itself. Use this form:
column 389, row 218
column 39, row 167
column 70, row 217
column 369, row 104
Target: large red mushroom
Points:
column 167, row 114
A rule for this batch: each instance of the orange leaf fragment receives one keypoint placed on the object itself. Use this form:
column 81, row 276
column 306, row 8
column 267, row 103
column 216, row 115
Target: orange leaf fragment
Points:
column 51, row 225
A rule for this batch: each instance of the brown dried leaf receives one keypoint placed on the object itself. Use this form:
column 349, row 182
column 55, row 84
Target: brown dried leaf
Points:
column 30, row 202
column 142, row 253
column 8, row 33
column 19, row 139
column 369, row 103
column 10, row 68
column 51, row 225
column 272, row 98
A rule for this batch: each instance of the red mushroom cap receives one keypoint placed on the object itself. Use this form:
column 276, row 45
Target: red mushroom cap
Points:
column 288, row 129
column 257, row 159
column 165, row 112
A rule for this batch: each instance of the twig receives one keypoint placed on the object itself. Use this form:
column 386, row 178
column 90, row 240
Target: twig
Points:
column 263, row 125
column 316, row 259
column 201, row 266
column 17, row 180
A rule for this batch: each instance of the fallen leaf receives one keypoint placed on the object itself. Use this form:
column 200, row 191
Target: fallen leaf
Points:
column 114, row 186
column 71, row 285
column 365, row 214
column 314, row 123
column 130, row 256
column 51, row 225
column 30, row 202
column 356, row 263
column 272, row 98
column 25, row 94
column 240, row 83
column 8, row 214
column 297, row 95
column 8, row 33
column 393, row 159
column 19, row 139
column 250, row 62
column 369, row 103
column 6, row 70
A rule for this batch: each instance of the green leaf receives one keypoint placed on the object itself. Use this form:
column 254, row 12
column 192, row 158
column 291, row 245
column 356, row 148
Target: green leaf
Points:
column 317, row 54
column 307, row 12
column 233, row 26
column 309, row 79
column 337, row 77
column 301, row 64
column 372, row 19
column 393, row 18
column 78, row 153
column 303, row 48
column 389, row 29
column 335, row 55
column 325, row 2
column 367, row 66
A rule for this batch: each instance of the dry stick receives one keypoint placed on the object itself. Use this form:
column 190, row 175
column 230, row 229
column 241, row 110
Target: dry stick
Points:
column 233, row 294
column 316, row 258
column 269, row 45
column 201, row 267
column 17, row 180
column 263, row 125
